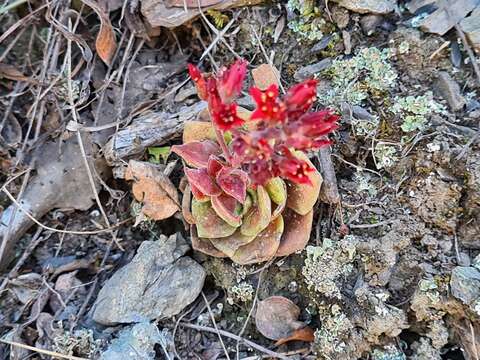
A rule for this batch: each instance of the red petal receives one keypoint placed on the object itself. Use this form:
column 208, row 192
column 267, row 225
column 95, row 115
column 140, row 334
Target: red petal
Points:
column 197, row 153
column 233, row 182
column 231, row 81
column 199, row 178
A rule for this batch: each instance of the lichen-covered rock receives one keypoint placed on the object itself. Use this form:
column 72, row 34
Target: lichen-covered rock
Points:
column 368, row 6
column 465, row 284
column 158, row 283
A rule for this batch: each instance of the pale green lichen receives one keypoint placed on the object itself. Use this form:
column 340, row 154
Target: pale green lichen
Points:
column 241, row 292
column 365, row 127
column 326, row 265
column 369, row 73
column 404, row 47
column 385, row 155
column 364, row 183
column 335, row 326
column 388, row 352
column 415, row 110
column 308, row 23
column 80, row 343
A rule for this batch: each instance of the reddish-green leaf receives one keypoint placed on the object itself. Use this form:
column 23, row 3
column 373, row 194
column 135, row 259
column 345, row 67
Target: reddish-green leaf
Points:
column 259, row 215
column 197, row 153
column 209, row 224
column 228, row 209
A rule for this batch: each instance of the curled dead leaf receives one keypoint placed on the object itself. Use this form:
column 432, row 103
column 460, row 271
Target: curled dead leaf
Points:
column 154, row 189
column 105, row 42
column 304, row 334
column 276, row 318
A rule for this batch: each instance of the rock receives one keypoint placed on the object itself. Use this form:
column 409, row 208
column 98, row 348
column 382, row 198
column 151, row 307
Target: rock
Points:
column 369, row 23
column 340, row 16
column 368, row 6
column 322, row 44
column 308, row 71
column 447, row 88
column 471, row 27
column 443, row 19
column 134, row 343
column 156, row 284
column 465, row 284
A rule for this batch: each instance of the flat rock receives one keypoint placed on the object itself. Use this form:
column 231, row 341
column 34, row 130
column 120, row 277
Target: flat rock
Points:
column 471, row 27
column 465, row 283
column 447, row 88
column 158, row 283
column 443, row 19
column 308, row 71
column 369, row 23
column 368, row 6
column 134, row 343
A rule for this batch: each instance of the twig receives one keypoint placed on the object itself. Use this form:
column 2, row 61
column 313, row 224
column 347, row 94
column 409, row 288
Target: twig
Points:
column 235, row 337
column 474, row 342
column 41, row 351
column 215, row 325
column 329, row 192
column 92, row 232
column 240, row 334
column 369, row 226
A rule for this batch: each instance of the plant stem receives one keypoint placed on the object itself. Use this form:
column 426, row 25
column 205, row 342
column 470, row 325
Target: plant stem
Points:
column 221, row 141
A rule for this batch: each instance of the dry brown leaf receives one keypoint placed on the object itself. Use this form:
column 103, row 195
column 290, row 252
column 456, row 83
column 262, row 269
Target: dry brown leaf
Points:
column 265, row 75
column 276, row 318
column 154, row 189
column 10, row 72
column 304, row 334
column 105, row 43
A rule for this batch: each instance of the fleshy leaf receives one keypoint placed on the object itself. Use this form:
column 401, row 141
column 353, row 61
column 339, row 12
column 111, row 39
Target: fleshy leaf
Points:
column 214, row 166
column 228, row 209
column 263, row 247
column 198, row 195
column 204, row 245
column 297, row 232
column 200, row 179
column 196, row 153
column 233, row 182
column 209, row 224
column 302, row 197
column 228, row 245
column 259, row 215
column 277, row 190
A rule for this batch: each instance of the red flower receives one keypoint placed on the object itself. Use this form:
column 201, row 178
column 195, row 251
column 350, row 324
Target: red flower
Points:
column 230, row 81
column 199, row 81
column 268, row 105
column 294, row 169
column 260, row 171
column 300, row 98
column 224, row 116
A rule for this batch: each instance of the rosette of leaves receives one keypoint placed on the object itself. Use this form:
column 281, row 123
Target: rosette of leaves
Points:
column 253, row 186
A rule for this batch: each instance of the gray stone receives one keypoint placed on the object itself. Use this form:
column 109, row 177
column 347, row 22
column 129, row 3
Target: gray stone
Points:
column 465, row 284
column 447, row 88
column 369, row 23
column 306, row 72
column 134, row 343
column 368, row 6
column 471, row 27
column 444, row 18
column 158, row 283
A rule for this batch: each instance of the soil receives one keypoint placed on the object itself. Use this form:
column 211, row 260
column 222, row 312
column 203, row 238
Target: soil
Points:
column 382, row 276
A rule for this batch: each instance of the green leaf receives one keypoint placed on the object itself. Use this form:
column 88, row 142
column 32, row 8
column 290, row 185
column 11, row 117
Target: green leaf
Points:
column 159, row 152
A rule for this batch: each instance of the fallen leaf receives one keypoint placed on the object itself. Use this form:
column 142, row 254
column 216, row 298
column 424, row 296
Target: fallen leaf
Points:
column 105, row 42
column 276, row 318
column 265, row 75
column 304, row 334
column 10, row 72
column 154, row 189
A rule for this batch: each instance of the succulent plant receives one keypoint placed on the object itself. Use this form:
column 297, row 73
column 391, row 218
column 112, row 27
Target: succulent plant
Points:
column 253, row 186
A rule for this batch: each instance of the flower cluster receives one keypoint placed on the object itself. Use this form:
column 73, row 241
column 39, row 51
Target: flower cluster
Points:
column 282, row 125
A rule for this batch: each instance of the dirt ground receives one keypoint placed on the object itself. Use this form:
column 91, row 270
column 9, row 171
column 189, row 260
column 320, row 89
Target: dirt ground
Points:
column 90, row 89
